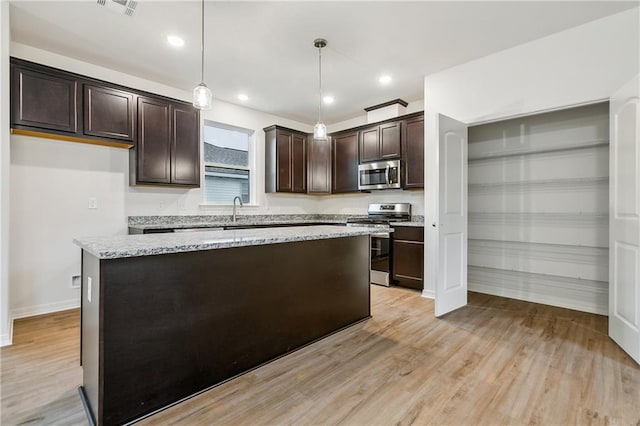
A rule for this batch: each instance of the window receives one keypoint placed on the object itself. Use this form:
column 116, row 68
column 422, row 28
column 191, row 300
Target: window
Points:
column 227, row 160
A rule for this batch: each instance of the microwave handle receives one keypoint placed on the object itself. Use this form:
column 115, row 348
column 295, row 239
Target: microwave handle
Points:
column 386, row 174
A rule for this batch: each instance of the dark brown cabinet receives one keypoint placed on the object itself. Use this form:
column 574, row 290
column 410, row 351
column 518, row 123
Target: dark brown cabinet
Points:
column 167, row 152
column 109, row 113
column 408, row 256
column 344, row 176
column 381, row 142
column 413, row 152
column 52, row 103
column 331, row 166
column 43, row 100
column 285, row 160
column 185, row 145
column 318, row 166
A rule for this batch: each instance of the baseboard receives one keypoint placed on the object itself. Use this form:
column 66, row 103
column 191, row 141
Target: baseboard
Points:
column 429, row 294
column 534, row 289
column 7, row 339
column 32, row 311
column 46, row 308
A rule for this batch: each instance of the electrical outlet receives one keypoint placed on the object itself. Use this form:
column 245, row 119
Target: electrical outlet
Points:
column 89, row 289
column 182, row 204
column 92, row 203
column 75, row 281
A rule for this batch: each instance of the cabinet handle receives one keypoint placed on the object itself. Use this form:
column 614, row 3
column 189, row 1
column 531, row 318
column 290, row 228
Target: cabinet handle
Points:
column 433, row 224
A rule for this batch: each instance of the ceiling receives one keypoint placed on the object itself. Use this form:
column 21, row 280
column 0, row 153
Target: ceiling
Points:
column 265, row 49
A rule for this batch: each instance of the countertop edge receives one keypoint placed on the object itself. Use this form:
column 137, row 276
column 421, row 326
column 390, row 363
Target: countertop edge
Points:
column 125, row 246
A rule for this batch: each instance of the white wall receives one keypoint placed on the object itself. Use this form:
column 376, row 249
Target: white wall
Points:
column 361, row 120
column 576, row 66
column 5, row 324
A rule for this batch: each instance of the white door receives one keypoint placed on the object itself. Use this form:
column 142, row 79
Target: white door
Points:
column 624, row 218
column 451, row 226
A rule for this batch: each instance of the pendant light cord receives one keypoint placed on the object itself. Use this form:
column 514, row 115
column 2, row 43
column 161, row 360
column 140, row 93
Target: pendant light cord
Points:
column 202, row 45
column 320, row 83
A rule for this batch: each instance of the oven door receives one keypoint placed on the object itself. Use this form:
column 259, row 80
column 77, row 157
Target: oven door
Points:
column 380, row 259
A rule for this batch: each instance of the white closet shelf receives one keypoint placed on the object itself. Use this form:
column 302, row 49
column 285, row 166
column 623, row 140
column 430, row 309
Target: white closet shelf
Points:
column 544, row 150
column 541, row 184
column 549, row 218
column 543, row 248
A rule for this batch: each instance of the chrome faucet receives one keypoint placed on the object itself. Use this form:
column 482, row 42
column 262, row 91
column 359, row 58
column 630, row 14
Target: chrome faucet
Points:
column 234, row 206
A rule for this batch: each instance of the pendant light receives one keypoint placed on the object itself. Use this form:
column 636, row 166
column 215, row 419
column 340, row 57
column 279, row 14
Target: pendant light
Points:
column 202, row 96
column 320, row 130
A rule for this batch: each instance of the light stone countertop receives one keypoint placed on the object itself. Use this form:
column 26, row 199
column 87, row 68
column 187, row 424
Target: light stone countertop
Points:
column 212, row 221
column 152, row 244
column 412, row 223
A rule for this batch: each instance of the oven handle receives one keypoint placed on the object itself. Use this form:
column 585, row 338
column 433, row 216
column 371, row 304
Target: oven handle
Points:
column 381, row 235
column 386, row 174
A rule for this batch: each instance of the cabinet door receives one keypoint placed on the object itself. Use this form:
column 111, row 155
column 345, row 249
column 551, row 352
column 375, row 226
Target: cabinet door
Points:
column 43, row 100
column 413, row 153
column 345, row 163
column 408, row 263
column 369, row 144
column 109, row 113
column 185, row 146
column 284, row 142
column 299, row 162
column 390, row 140
column 319, row 165
column 154, row 141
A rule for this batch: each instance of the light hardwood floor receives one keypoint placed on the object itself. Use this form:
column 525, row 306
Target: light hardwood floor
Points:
column 496, row 361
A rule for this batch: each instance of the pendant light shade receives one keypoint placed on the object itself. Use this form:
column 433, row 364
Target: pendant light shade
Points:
column 202, row 96
column 320, row 130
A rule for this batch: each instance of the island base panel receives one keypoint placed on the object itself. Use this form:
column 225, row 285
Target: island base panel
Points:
column 175, row 324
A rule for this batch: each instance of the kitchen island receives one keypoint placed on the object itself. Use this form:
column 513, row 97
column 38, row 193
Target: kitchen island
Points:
column 166, row 316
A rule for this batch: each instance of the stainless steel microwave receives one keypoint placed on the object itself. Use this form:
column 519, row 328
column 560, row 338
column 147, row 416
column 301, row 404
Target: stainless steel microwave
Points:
column 379, row 175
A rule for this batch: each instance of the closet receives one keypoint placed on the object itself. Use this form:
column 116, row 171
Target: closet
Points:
column 538, row 203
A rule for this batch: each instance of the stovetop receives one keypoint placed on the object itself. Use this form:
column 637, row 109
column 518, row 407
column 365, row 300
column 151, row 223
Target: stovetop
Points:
column 376, row 221
column 383, row 214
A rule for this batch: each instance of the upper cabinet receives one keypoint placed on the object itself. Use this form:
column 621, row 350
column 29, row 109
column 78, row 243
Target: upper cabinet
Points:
column 109, row 113
column 345, row 162
column 43, row 100
column 413, row 152
column 380, row 142
column 168, row 148
column 331, row 165
column 52, row 103
column 285, row 160
column 318, row 165
column 185, row 145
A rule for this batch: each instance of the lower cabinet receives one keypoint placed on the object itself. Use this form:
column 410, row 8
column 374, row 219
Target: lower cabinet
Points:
column 408, row 256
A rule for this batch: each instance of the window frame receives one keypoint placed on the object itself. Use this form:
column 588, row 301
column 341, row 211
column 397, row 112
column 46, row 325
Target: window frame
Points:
column 251, row 161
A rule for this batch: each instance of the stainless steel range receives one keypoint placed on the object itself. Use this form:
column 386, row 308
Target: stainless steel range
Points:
column 381, row 248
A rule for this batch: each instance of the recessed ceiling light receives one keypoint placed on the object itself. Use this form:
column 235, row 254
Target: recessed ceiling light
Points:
column 243, row 97
column 328, row 99
column 175, row 41
column 385, row 79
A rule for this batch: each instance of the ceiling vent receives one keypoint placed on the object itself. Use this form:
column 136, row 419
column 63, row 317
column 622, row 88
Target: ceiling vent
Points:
column 121, row 7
